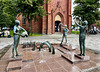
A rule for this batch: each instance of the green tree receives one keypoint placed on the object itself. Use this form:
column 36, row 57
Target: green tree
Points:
column 98, row 23
column 31, row 9
column 6, row 17
column 87, row 10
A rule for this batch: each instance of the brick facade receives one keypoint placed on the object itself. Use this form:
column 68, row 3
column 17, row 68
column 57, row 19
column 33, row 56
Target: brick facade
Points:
column 47, row 23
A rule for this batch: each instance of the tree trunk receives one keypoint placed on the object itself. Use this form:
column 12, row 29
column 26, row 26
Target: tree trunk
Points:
column 30, row 26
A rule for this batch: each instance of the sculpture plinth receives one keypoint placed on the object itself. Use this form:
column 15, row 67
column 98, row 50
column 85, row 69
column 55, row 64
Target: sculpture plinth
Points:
column 74, row 58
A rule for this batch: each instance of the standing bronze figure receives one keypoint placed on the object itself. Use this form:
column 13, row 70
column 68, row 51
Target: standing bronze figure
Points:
column 82, row 35
column 65, row 31
column 17, row 33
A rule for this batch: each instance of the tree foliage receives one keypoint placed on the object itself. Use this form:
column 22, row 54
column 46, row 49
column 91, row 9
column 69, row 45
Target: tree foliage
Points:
column 6, row 17
column 31, row 9
column 98, row 23
column 87, row 10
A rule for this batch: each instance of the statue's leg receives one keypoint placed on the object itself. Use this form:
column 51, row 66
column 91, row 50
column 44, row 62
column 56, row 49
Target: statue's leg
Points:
column 81, row 44
column 14, row 47
column 13, row 51
column 84, row 48
column 18, row 38
column 62, row 39
column 65, row 39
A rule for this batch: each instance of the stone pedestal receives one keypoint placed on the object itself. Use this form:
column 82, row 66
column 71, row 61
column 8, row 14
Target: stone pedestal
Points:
column 74, row 58
column 14, row 65
column 84, row 58
column 71, row 58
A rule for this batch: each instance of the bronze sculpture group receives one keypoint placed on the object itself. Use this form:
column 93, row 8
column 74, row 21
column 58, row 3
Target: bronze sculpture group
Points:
column 17, row 33
column 81, row 35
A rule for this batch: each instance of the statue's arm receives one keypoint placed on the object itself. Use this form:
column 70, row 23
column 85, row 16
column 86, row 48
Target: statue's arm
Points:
column 61, row 25
column 77, row 24
column 23, row 29
column 67, row 30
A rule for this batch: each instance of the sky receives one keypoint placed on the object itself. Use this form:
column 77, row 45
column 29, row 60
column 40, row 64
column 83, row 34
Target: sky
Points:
column 73, row 5
column 72, row 10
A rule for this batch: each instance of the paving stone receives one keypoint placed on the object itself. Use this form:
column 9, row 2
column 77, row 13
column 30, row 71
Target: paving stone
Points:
column 14, row 65
column 54, row 65
column 15, row 71
column 2, row 68
column 59, row 70
column 27, row 56
column 28, row 67
column 73, row 68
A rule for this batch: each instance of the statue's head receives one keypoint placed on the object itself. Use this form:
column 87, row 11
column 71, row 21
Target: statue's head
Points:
column 85, row 23
column 65, row 26
column 17, row 22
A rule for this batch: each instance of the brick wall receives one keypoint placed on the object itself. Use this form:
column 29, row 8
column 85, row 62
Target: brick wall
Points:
column 47, row 23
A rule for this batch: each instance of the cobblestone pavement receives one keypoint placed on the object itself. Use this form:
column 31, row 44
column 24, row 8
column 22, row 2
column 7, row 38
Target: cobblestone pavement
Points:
column 92, row 41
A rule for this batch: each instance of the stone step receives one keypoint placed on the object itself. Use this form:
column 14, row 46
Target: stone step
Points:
column 68, row 47
column 74, row 58
column 84, row 58
column 15, row 59
column 14, row 65
column 71, row 58
column 62, row 50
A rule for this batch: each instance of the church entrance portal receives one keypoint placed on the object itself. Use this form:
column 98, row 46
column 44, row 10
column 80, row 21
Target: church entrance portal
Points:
column 57, row 26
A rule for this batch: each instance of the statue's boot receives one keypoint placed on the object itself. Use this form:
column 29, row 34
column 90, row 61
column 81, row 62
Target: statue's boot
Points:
column 14, row 57
column 83, row 54
column 18, row 55
column 80, row 54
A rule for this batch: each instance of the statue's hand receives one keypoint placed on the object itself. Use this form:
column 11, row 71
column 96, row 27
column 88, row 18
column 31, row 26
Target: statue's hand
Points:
column 26, row 35
column 22, row 35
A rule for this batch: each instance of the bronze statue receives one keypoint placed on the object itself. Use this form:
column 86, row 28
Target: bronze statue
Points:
column 82, row 35
column 45, row 43
column 65, row 31
column 16, row 31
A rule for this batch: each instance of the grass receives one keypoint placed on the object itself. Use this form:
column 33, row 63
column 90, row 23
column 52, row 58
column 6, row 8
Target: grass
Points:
column 35, row 34
column 75, row 32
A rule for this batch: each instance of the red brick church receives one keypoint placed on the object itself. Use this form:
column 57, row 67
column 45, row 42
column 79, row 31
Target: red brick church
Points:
column 59, row 11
